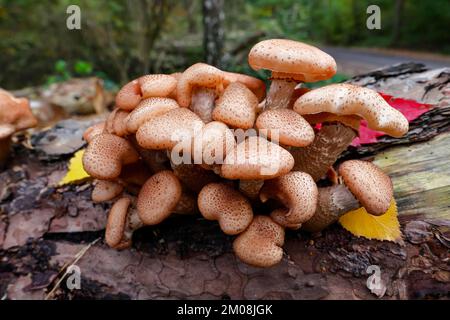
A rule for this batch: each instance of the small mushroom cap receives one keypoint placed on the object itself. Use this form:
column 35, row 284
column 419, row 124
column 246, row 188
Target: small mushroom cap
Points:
column 93, row 131
column 215, row 140
column 256, row 158
column 105, row 190
column 298, row 193
column 346, row 99
column 350, row 121
column 116, row 123
column 198, row 75
column 218, row 201
column 158, row 197
column 256, row 85
column 148, row 109
column 129, row 96
column 371, row 186
column 236, row 107
column 15, row 112
column 169, row 129
column 288, row 59
column 116, row 224
column 106, row 154
column 157, row 85
column 260, row 245
column 290, row 127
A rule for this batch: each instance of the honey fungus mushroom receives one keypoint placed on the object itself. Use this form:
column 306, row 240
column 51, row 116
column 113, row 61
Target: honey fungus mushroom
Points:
column 291, row 62
column 260, row 245
column 365, row 185
column 344, row 101
column 219, row 201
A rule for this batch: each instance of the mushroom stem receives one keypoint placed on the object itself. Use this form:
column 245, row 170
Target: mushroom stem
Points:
column 251, row 188
column 202, row 103
column 5, row 145
column 280, row 94
column 333, row 203
column 328, row 144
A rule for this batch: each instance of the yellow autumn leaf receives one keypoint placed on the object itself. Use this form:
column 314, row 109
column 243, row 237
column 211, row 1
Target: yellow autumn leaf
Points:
column 76, row 171
column 362, row 224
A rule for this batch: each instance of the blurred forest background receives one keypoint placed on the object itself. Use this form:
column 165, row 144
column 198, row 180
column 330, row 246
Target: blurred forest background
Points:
column 120, row 40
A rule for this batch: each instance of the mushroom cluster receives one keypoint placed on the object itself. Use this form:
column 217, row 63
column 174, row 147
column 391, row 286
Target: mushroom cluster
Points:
column 211, row 141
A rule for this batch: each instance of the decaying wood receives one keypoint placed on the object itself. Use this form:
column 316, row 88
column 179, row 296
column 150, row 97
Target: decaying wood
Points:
column 43, row 227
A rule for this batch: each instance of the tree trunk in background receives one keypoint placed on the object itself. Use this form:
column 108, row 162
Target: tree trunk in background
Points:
column 399, row 5
column 213, row 33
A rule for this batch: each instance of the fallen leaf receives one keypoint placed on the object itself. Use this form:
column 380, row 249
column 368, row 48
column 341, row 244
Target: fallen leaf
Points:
column 76, row 171
column 362, row 224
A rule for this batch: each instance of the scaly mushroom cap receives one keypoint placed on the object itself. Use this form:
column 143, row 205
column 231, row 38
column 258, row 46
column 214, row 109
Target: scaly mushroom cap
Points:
column 157, row 85
column 105, row 190
column 288, row 126
column 116, row 224
column 218, row 201
column 346, row 99
column 288, row 59
column 260, row 245
column 256, row 158
column 236, row 107
column 148, row 109
column 15, row 112
column 158, row 197
column 169, row 129
column 129, row 96
column 198, row 75
column 106, row 154
column 215, row 141
column 298, row 193
column 256, row 85
column 371, row 186
column 116, row 123
column 93, row 131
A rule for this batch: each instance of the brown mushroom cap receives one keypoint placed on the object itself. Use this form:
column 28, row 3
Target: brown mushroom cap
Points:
column 116, row 123
column 106, row 154
column 236, row 107
column 148, row 109
column 198, row 75
column 93, row 131
column 105, row 190
column 116, row 224
column 298, row 193
column 290, row 128
column 288, row 59
column 346, row 99
column 260, row 245
column 169, row 129
column 129, row 96
column 218, row 201
column 158, row 197
column 157, row 85
column 15, row 112
column 371, row 186
column 256, row 85
column 256, row 158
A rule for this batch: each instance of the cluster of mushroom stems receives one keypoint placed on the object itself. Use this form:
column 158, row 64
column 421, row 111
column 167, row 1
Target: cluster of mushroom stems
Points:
column 213, row 142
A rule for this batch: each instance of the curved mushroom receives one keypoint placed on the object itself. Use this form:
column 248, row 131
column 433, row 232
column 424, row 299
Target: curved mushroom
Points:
column 218, row 201
column 157, row 85
column 290, row 62
column 129, row 96
column 260, row 245
column 297, row 192
column 122, row 222
column 116, row 123
column 236, row 107
column 289, row 127
column 364, row 185
column 198, row 87
column 158, row 197
column 148, row 109
column 93, row 131
column 105, row 156
column 105, row 190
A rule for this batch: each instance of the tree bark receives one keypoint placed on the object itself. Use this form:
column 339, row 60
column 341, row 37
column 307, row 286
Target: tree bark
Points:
column 213, row 33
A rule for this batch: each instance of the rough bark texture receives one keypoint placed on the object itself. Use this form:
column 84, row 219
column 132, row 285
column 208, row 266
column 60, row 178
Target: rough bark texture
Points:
column 322, row 153
column 213, row 33
column 43, row 227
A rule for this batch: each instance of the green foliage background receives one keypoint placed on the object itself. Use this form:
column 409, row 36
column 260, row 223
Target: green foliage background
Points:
column 123, row 39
